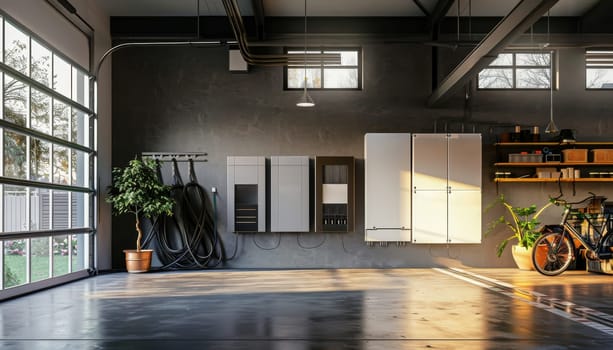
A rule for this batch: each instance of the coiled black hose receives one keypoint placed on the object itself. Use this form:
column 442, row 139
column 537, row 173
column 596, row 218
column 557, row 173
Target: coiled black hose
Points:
column 188, row 239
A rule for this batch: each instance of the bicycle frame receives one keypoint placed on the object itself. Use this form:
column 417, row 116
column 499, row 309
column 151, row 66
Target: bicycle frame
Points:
column 603, row 232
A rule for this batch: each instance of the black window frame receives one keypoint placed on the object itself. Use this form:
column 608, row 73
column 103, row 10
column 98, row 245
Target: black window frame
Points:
column 595, row 66
column 323, row 68
column 553, row 65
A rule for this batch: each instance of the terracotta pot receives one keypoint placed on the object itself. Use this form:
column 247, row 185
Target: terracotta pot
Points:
column 138, row 261
column 522, row 257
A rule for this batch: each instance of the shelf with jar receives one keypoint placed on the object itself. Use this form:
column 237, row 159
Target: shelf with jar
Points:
column 529, row 162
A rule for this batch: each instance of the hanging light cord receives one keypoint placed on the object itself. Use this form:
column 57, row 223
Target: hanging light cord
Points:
column 305, row 46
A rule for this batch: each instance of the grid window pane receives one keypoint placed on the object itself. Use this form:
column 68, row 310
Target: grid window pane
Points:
column 15, row 273
column 78, row 252
column 295, row 78
column 60, row 255
column 79, row 132
column 341, row 78
column 60, row 207
column 16, row 49
column 517, row 70
column 14, row 159
column 16, row 100
column 79, row 167
column 533, row 78
column 15, row 209
column 599, row 69
column 40, row 163
column 326, row 76
column 348, row 58
column 599, row 78
column 39, row 209
column 1, row 36
column 40, row 108
column 41, row 64
column 61, row 165
column 496, row 78
column 533, row 59
column 61, row 120
column 503, row 59
column 80, row 87
column 79, row 203
column 61, row 76
column 39, row 252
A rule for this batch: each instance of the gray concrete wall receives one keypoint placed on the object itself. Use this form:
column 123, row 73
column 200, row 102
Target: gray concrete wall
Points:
column 184, row 99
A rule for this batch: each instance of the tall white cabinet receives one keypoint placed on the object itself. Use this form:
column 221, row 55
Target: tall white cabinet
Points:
column 387, row 164
column 446, row 198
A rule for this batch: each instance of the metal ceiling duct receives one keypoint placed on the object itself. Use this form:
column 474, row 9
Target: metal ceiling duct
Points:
column 238, row 28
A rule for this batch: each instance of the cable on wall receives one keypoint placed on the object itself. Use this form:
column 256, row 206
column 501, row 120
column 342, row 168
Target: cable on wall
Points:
column 276, row 245
column 325, row 238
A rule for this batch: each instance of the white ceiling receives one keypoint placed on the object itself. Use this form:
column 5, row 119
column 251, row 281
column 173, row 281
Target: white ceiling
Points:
column 352, row 8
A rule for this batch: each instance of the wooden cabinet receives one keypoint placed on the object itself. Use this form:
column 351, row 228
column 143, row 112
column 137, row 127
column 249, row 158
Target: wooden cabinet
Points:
column 506, row 171
column 334, row 194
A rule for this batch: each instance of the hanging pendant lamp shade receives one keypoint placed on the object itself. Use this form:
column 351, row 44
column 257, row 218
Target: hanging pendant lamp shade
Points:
column 305, row 100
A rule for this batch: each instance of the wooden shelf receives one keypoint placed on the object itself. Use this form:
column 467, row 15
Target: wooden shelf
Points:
column 534, row 179
column 552, row 164
column 520, row 144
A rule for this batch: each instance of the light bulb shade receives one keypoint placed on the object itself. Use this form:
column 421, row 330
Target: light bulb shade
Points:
column 551, row 128
column 305, row 100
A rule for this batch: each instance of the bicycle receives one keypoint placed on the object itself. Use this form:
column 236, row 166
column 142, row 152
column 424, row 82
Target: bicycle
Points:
column 560, row 244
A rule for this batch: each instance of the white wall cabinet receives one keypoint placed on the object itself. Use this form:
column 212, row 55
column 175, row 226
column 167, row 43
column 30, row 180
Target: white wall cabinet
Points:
column 387, row 164
column 446, row 171
column 289, row 194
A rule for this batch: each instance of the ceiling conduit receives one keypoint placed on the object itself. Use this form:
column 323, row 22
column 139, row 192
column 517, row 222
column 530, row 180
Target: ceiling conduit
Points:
column 238, row 28
column 526, row 13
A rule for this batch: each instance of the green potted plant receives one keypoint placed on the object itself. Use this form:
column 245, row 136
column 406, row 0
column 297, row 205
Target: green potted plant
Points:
column 525, row 225
column 137, row 190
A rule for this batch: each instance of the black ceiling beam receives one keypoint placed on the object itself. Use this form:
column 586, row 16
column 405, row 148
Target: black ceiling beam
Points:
column 422, row 8
column 439, row 12
column 260, row 18
column 525, row 13
column 598, row 18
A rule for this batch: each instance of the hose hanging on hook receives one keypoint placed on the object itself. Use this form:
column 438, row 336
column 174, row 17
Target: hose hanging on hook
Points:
column 188, row 239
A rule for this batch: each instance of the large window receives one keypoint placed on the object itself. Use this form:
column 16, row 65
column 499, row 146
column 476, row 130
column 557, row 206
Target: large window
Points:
column 46, row 182
column 518, row 70
column 347, row 75
column 599, row 69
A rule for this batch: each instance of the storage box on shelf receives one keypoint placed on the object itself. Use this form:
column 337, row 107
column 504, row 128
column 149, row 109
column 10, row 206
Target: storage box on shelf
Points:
column 571, row 162
column 602, row 155
column 575, row 155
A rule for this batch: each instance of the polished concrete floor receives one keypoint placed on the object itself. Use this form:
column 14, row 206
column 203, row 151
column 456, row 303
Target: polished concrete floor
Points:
column 317, row 309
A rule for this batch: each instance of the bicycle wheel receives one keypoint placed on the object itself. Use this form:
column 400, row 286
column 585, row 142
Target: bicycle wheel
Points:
column 552, row 253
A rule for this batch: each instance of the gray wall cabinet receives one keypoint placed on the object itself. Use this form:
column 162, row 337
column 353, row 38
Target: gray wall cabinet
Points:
column 289, row 194
column 246, row 194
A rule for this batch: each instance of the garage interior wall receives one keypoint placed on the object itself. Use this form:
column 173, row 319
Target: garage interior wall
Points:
column 186, row 100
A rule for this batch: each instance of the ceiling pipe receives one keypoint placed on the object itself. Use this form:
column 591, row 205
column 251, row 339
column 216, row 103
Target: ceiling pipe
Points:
column 238, row 28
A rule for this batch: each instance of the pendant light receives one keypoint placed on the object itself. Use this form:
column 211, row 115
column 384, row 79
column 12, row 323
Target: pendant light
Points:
column 551, row 127
column 305, row 100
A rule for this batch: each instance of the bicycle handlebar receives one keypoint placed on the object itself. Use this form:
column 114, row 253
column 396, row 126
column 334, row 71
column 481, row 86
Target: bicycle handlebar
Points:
column 558, row 201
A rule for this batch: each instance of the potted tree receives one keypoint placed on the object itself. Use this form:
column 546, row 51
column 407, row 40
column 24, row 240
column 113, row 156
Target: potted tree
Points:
column 525, row 225
column 137, row 190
